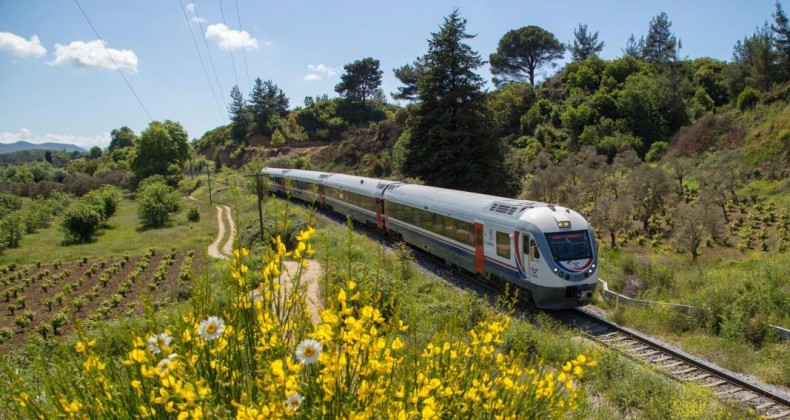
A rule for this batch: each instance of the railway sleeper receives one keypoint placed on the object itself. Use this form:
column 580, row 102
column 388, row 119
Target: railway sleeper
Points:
column 779, row 415
column 764, row 406
column 685, row 371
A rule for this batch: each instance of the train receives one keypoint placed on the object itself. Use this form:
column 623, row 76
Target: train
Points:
column 546, row 251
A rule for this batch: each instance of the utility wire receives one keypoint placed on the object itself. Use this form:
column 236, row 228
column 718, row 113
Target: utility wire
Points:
column 230, row 48
column 113, row 61
column 202, row 63
column 208, row 50
column 243, row 47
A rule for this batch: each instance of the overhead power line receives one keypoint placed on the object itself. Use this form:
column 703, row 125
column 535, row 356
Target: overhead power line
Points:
column 113, row 60
column 230, row 47
column 208, row 50
column 243, row 47
column 223, row 116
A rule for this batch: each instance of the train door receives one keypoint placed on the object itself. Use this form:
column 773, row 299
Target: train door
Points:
column 530, row 255
column 479, row 255
column 379, row 213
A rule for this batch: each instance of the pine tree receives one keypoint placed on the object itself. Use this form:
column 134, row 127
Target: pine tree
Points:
column 236, row 108
column 661, row 45
column 267, row 101
column 781, row 29
column 451, row 145
column 585, row 44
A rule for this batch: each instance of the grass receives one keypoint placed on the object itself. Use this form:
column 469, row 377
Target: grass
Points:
column 431, row 309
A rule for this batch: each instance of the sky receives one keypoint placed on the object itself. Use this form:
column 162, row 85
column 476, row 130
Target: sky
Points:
column 60, row 82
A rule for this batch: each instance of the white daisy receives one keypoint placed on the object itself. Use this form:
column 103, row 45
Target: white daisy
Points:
column 308, row 350
column 164, row 365
column 294, row 401
column 158, row 342
column 211, row 328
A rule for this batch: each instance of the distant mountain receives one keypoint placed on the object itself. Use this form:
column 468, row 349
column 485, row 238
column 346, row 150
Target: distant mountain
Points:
column 23, row 145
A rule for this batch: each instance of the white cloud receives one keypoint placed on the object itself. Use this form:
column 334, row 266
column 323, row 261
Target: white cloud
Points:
column 231, row 39
column 86, row 142
column 20, row 47
column 319, row 71
column 190, row 7
column 94, row 54
column 197, row 19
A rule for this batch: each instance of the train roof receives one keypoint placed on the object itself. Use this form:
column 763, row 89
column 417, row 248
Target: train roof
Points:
column 297, row 174
column 466, row 205
column 371, row 187
column 444, row 200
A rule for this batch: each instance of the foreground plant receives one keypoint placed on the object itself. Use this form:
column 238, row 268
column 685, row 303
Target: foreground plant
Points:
column 262, row 357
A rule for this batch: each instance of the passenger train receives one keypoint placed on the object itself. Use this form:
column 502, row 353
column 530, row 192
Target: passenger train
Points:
column 545, row 250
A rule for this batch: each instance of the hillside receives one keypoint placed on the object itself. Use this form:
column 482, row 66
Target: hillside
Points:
column 23, row 145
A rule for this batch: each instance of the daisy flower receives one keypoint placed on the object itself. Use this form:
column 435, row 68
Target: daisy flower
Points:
column 294, row 401
column 211, row 328
column 308, row 350
column 158, row 342
column 164, row 365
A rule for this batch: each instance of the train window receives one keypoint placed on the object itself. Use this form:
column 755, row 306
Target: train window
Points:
column 568, row 246
column 503, row 244
column 534, row 254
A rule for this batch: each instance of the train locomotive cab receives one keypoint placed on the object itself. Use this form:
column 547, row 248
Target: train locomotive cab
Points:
column 561, row 263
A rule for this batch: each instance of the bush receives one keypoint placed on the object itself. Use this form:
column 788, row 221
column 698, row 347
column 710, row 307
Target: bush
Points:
column 81, row 222
column 748, row 98
column 193, row 215
column 155, row 202
column 104, row 200
column 12, row 229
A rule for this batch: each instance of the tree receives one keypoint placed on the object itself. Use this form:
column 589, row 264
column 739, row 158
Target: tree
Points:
column 781, row 29
column 585, row 44
column 661, row 45
column 81, row 222
column 267, row 101
column 155, row 202
column 48, row 156
column 238, row 115
column 409, row 75
column 649, row 187
column 450, row 138
column 121, row 137
column 521, row 52
column 681, row 168
column 162, row 149
column 756, row 58
column 362, row 80
column 690, row 230
column 95, row 152
column 633, row 48
column 613, row 215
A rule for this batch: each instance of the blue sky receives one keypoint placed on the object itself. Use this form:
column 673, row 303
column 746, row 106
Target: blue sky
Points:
column 57, row 83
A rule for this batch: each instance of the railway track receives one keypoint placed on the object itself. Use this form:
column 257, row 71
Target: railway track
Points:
column 676, row 364
column 685, row 368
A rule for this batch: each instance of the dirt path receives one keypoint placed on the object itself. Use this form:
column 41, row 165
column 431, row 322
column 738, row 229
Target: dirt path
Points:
column 309, row 283
column 228, row 248
column 213, row 249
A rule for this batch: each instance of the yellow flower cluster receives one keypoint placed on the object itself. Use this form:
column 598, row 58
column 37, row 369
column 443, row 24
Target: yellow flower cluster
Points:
column 262, row 357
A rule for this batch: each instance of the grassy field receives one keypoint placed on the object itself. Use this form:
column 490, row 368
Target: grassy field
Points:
column 123, row 235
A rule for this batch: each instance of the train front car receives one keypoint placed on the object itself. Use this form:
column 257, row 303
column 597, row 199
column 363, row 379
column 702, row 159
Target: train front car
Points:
column 561, row 259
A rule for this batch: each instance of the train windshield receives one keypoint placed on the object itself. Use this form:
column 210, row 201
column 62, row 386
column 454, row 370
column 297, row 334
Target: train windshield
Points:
column 567, row 246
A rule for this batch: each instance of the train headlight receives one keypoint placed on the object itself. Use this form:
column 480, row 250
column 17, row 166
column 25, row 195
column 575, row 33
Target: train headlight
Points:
column 563, row 224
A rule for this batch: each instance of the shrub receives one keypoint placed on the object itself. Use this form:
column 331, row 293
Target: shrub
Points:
column 6, row 334
column 193, row 215
column 81, row 222
column 155, row 203
column 748, row 98
column 104, row 200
